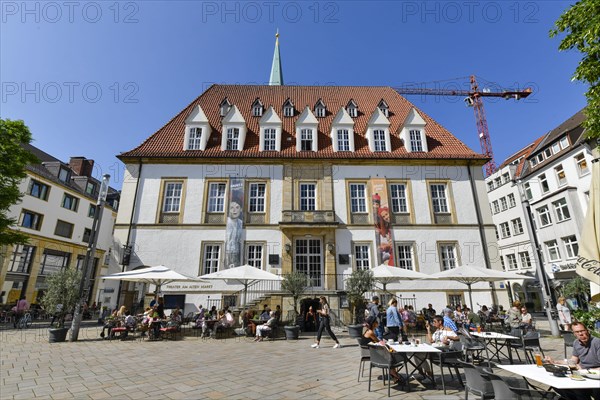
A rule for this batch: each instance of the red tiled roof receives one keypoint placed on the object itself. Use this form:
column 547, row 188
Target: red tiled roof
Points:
column 167, row 142
column 524, row 153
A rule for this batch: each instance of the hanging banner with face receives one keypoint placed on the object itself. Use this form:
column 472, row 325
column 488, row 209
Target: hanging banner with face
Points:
column 384, row 239
column 235, row 224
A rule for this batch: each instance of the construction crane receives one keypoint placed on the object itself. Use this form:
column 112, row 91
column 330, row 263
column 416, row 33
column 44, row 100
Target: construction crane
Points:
column 473, row 98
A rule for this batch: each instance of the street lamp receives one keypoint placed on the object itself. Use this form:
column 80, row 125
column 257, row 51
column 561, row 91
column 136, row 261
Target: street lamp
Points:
column 546, row 295
column 89, row 258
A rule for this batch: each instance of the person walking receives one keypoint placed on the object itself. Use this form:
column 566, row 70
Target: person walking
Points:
column 325, row 320
column 393, row 319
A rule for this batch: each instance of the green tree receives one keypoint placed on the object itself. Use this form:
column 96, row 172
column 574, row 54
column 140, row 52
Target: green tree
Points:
column 295, row 284
column 581, row 23
column 578, row 288
column 13, row 159
column 62, row 291
column 358, row 283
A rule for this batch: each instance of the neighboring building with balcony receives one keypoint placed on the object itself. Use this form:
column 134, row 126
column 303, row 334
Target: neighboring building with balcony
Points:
column 321, row 180
column 554, row 173
column 56, row 212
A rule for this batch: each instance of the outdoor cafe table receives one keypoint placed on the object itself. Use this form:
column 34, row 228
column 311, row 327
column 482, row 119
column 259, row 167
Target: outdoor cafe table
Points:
column 539, row 374
column 409, row 352
column 497, row 341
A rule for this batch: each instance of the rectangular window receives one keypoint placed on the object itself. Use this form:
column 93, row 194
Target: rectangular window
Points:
column 416, row 142
column 288, row 111
column 172, row 197
column 511, row 200
column 405, row 256
column 490, row 186
column 448, row 256
column 306, row 139
column 308, row 260
column 503, row 204
column 540, row 157
column 31, row 220
column 528, row 194
column 555, row 147
column 505, row 230
column 553, row 252
column 22, row 259
column 582, row 165
column 86, row 235
column 548, row 153
column 63, row 175
column 233, row 136
column 256, row 202
column 257, row 111
column 195, row 138
column 361, row 256
column 562, row 210
column 70, row 202
column 211, row 258
column 571, row 246
column 496, row 206
column 379, row 140
column 564, row 142
column 90, row 188
column 358, row 195
column 502, row 263
column 38, row 189
column 54, row 261
column 544, row 214
column 560, row 175
column 308, row 196
column 92, row 211
column 398, row 195
column 254, row 255
column 353, row 112
column 343, row 140
column 63, row 229
column 319, row 112
column 216, row 198
column 438, row 198
column 525, row 260
column 512, row 261
column 505, row 177
column 270, row 138
column 544, row 183
column 517, row 226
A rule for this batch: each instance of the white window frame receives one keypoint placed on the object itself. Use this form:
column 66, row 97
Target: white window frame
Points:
column 255, row 254
column 308, row 196
column 555, row 147
column 527, row 190
column 503, row 204
column 211, row 256
column 257, row 197
column 511, row 200
column 439, row 198
column 358, row 198
column 352, row 111
column 399, row 198
column 257, row 110
column 544, row 183
column 544, row 211
column 288, row 111
column 561, row 208
column 172, row 197
column 564, row 142
column 216, row 197
column 362, row 256
column 195, row 139
column 306, row 138
column 405, row 256
column 320, row 112
column 496, row 206
column 233, row 139
column 553, row 250
column 561, row 177
column 525, row 260
column 517, row 226
column 512, row 261
column 582, row 164
column 343, row 140
column 571, row 245
column 416, row 140
column 448, row 257
column 269, row 139
column 379, row 140
column 505, row 230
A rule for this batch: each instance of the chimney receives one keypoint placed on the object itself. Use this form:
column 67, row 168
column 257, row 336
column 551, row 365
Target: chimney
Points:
column 81, row 166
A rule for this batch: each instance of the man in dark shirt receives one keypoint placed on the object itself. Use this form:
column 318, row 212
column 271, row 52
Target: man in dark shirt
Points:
column 374, row 312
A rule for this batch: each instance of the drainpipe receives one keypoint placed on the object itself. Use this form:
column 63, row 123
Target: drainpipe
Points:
column 486, row 254
column 135, row 196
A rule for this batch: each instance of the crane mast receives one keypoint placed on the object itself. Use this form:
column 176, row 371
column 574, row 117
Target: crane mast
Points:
column 474, row 98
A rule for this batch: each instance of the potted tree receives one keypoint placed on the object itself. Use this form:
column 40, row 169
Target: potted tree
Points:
column 60, row 299
column 295, row 285
column 358, row 283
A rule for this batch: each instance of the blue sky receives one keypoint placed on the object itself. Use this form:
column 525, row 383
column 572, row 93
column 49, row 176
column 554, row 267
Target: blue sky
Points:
column 97, row 78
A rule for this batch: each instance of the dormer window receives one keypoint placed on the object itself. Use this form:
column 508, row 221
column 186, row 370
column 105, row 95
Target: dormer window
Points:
column 233, row 137
column 379, row 140
column 416, row 141
column 225, row 106
column 320, row 109
column 307, row 127
column 306, row 139
column 257, row 108
column 195, row 139
column 384, row 108
column 269, row 139
column 352, row 109
column 64, row 175
column 343, row 139
column 288, row 108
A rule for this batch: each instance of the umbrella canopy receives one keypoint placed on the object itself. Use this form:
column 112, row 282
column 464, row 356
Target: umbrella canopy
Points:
column 469, row 275
column 588, row 263
column 244, row 274
column 386, row 274
column 159, row 275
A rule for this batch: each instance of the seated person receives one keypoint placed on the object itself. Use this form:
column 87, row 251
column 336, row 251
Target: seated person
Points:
column 266, row 314
column 442, row 335
column 586, row 355
column 473, row 319
column 310, row 320
column 264, row 329
column 526, row 319
column 369, row 336
column 109, row 323
column 228, row 319
column 448, row 322
column 129, row 320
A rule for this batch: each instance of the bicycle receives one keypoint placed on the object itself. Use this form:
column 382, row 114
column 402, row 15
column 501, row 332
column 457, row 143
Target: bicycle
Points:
column 25, row 321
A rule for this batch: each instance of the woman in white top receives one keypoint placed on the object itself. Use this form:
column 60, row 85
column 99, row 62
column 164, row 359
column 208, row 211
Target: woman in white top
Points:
column 564, row 314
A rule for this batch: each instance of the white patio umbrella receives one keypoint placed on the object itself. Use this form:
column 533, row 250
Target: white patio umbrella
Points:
column 244, row 274
column 469, row 275
column 158, row 275
column 386, row 274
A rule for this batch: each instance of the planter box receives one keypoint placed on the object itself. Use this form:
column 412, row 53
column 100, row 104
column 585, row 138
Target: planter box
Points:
column 291, row 332
column 355, row 331
column 57, row 335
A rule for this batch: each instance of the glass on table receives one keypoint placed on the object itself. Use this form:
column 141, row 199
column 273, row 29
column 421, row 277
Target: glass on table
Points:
column 538, row 359
column 572, row 365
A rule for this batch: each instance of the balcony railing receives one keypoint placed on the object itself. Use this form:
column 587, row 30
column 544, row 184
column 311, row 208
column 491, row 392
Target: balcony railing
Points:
column 295, row 216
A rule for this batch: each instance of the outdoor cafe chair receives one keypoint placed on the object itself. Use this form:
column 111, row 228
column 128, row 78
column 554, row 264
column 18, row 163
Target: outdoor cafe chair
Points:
column 449, row 359
column 380, row 357
column 365, row 356
column 514, row 388
column 477, row 381
column 531, row 345
column 568, row 338
column 470, row 345
column 516, row 344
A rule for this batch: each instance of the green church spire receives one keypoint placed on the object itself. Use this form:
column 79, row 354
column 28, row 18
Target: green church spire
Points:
column 276, row 72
